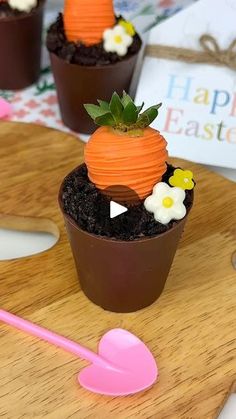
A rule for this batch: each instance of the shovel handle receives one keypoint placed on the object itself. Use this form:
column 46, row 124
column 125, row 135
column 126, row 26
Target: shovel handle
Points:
column 53, row 338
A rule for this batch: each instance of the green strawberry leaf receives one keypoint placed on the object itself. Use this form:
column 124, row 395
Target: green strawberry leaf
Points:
column 140, row 107
column 106, row 119
column 148, row 116
column 116, row 107
column 94, row 110
column 130, row 114
column 104, row 105
column 122, row 113
column 126, row 99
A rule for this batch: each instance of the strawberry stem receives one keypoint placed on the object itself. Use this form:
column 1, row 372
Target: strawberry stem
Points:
column 122, row 114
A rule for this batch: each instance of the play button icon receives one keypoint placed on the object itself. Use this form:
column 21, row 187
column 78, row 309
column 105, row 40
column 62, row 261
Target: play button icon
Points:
column 117, row 200
column 116, row 209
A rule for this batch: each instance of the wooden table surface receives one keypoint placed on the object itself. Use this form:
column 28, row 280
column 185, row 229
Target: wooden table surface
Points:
column 191, row 329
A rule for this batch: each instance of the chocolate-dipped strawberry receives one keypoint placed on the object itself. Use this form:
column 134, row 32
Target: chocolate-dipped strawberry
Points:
column 80, row 16
column 125, row 150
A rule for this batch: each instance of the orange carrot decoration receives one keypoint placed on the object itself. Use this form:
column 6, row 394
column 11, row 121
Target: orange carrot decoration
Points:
column 86, row 20
column 125, row 150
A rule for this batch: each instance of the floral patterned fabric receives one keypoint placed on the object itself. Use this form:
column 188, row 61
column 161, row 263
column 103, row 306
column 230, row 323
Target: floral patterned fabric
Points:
column 38, row 103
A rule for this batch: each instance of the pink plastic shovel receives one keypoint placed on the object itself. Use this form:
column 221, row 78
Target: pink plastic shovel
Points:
column 124, row 365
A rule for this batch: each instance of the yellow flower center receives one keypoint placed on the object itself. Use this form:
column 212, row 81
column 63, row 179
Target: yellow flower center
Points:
column 118, row 39
column 167, row 202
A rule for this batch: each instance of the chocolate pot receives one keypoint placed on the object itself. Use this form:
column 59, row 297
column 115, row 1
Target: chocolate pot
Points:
column 122, row 276
column 20, row 49
column 77, row 84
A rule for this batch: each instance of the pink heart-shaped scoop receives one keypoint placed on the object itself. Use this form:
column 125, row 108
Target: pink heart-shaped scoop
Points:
column 5, row 108
column 138, row 369
column 123, row 365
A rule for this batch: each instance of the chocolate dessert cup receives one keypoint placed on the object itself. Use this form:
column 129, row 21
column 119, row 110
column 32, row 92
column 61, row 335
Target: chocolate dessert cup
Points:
column 78, row 84
column 93, row 53
column 123, row 260
column 20, row 49
column 118, row 275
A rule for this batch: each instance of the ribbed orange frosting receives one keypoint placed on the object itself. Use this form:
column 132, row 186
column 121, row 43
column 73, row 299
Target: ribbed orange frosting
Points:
column 135, row 162
column 86, row 20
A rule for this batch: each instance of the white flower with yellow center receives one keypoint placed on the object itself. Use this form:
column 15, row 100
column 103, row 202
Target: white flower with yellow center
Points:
column 166, row 203
column 23, row 5
column 117, row 40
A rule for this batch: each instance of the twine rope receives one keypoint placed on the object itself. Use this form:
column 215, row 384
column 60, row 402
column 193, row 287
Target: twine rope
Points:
column 210, row 54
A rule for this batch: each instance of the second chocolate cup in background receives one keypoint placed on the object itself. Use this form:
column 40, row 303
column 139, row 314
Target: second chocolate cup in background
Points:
column 20, row 49
column 93, row 53
column 78, row 84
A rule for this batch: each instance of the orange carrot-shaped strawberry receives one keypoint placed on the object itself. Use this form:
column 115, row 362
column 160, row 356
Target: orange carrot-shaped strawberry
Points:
column 125, row 150
column 86, row 20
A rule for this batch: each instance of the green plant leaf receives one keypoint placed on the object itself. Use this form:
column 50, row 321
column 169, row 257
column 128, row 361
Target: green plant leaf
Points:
column 116, row 107
column 94, row 110
column 148, row 116
column 130, row 114
column 105, row 119
column 104, row 105
column 126, row 99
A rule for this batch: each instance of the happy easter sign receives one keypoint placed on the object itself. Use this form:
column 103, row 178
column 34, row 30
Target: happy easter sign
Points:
column 198, row 116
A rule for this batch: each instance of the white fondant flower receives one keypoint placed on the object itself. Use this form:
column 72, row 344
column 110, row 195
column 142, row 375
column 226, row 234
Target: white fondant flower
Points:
column 117, row 40
column 166, row 203
column 23, row 5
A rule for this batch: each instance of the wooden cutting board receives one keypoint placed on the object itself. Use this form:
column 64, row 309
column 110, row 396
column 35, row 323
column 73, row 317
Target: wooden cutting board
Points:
column 191, row 329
